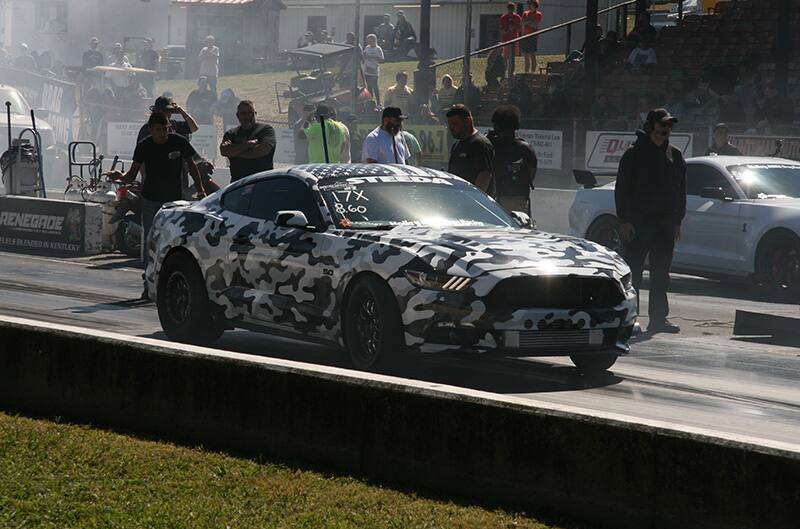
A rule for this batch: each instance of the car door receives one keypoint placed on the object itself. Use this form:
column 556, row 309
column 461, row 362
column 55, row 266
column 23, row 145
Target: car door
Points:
column 294, row 280
column 711, row 232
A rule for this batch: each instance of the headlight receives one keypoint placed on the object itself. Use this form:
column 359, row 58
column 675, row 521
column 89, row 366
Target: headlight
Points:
column 438, row 281
column 627, row 281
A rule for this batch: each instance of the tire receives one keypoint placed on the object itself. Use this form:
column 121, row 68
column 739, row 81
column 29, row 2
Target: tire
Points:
column 605, row 231
column 373, row 329
column 128, row 237
column 778, row 266
column 594, row 363
column 185, row 312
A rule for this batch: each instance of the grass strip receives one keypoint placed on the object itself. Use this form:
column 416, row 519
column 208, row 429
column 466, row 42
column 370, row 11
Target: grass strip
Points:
column 56, row 475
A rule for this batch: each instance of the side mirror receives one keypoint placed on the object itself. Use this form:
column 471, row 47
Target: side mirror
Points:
column 714, row 193
column 291, row 219
column 585, row 178
column 523, row 218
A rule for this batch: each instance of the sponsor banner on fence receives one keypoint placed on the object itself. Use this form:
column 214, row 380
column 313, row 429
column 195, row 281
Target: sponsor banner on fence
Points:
column 766, row 145
column 121, row 140
column 604, row 149
column 205, row 141
column 284, row 146
column 43, row 226
column 59, row 98
column 548, row 145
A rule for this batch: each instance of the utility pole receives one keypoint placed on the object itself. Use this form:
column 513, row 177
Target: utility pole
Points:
column 356, row 59
column 467, row 50
column 422, row 81
column 590, row 58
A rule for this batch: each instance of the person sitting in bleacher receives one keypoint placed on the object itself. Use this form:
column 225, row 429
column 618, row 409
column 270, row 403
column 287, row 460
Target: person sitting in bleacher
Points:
column 643, row 58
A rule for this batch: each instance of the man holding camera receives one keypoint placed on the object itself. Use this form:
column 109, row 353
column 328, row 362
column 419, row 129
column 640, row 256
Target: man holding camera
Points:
column 333, row 143
column 651, row 204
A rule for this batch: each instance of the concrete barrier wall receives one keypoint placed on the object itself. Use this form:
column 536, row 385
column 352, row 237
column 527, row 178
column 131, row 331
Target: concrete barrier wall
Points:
column 459, row 443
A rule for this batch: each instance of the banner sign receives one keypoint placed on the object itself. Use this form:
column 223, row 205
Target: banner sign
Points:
column 765, row 145
column 59, row 98
column 49, row 226
column 548, row 145
column 121, row 139
column 604, row 149
column 205, row 142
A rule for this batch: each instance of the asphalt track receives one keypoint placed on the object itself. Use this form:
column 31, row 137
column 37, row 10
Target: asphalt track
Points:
column 703, row 378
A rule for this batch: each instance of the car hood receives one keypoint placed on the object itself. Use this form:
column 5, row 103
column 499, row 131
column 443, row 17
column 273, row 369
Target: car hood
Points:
column 783, row 203
column 473, row 252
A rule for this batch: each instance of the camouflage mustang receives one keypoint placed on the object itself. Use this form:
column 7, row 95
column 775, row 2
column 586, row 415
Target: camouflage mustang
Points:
column 378, row 259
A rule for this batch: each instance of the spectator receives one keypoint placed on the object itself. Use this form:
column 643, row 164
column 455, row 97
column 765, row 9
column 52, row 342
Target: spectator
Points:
column 92, row 57
column 510, row 27
column 118, row 57
column 385, row 144
column 643, row 105
column 385, row 33
column 531, row 22
column 650, row 199
column 604, row 109
column 227, row 107
column 446, row 95
column 559, row 102
column 469, row 89
column 201, row 102
column 150, row 61
column 414, row 148
column 643, row 29
column 515, row 161
column 400, row 94
column 164, row 105
column 250, row 147
column 675, row 104
column 774, row 108
column 337, row 136
column 495, row 68
column 424, row 116
column 610, row 50
column 25, row 60
column 405, row 38
column 731, row 110
column 472, row 156
column 209, row 63
column 720, row 144
column 642, row 58
column 373, row 57
column 356, row 141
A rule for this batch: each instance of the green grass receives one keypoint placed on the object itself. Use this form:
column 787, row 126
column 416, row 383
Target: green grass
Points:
column 261, row 87
column 55, row 475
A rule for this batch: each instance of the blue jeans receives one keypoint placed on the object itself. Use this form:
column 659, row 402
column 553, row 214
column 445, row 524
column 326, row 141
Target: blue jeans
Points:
column 149, row 210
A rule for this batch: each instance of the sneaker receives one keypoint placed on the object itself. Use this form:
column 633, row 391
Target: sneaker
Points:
column 664, row 326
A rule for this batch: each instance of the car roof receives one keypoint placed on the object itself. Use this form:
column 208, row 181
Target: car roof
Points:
column 723, row 162
column 329, row 173
column 322, row 50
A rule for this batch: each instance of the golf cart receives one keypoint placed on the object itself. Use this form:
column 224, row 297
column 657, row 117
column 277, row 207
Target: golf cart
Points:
column 324, row 75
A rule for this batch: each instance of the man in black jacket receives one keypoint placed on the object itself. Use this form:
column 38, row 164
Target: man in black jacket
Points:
column 651, row 203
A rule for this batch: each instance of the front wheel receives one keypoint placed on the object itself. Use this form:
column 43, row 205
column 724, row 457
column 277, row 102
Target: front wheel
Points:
column 605, row 231
column 185, row 312
column 594, row 363
column 373, row 329
column 778, row 267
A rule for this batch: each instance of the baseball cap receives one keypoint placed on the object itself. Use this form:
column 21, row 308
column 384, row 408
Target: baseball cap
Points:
column 162, row 103
column 94, row 40
column 401, row 12
column 720, row 126
column 393, row 112
column 661, row 115
column 323, row 110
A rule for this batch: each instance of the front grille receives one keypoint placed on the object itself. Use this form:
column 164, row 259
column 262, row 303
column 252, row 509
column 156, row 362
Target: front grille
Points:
column 554, row 292
column 548, row 339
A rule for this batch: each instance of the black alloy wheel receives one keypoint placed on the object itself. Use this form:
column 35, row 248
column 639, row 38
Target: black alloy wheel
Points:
column 605, row 231
column 373, row 330
column 185, row 312
column 778, row 267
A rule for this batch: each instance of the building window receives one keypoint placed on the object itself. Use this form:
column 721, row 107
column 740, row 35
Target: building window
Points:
column 51, row 16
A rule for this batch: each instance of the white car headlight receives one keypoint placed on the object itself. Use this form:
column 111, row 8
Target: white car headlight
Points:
column 436, row 281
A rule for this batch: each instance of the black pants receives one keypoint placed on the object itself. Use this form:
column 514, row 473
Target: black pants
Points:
column 658, row 243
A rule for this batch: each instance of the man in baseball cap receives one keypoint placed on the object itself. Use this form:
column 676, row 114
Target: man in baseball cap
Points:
column 165, row 105
column 385, row 144
column 720, row 145
column 651, row 204
column 92, row 57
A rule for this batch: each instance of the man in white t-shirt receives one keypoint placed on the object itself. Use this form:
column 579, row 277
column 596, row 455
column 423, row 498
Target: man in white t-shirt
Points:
column 385, row 144
column 209, row 63
column 373, row 57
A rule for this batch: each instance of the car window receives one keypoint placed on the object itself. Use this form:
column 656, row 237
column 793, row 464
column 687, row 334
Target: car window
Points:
column 699, row 176
column 238, row 200
column 279, row 194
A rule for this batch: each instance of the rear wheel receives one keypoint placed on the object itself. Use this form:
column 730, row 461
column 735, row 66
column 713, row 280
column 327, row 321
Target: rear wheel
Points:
column 593, row 363
column 605, row 231
column 184, row 309
column 778, row 266
column 373, row 329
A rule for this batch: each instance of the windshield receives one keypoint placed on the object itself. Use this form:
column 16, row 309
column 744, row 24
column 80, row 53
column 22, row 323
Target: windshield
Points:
column 768, row 180
column 18, row 104
column 385, row 205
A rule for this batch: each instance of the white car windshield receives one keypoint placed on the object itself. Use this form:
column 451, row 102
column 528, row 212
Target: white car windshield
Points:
column 382, row 204
column 18, row 103
column 768, row 180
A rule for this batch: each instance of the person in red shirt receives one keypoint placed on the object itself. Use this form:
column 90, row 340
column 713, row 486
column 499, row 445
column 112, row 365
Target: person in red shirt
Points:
column 531, row 21
column 510, row 28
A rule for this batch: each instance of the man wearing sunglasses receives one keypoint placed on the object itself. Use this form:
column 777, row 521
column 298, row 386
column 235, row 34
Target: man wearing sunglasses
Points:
column 651, row 203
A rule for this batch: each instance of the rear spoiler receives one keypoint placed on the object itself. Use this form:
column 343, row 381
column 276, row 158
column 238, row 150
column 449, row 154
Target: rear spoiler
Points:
column 585, row 178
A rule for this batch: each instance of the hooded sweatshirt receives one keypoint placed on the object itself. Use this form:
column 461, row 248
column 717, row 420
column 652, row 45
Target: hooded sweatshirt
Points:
column 651, row 185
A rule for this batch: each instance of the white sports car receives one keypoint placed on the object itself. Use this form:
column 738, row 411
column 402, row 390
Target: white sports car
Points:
column 742, row 219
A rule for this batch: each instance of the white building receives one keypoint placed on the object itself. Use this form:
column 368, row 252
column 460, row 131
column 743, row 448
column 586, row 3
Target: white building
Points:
column 448, row 21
